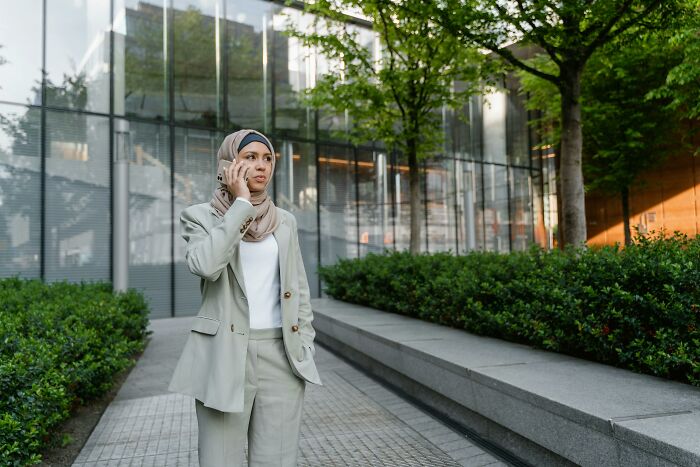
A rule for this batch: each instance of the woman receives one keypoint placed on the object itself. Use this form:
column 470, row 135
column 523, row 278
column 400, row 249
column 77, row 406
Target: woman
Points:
column 250, row 350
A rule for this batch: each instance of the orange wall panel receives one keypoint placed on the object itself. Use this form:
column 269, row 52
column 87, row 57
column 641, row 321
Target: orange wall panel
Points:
column 666, row 197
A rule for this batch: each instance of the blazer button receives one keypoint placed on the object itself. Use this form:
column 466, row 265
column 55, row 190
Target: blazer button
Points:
column 287, row 294
column 295, row 328
column 231, row 327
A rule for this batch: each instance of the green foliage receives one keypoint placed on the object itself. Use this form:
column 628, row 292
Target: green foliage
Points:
column 626, row 131
column 636, row 308
column 628, row 126
column 568, row 32
column 682, row 85
column 394, row 97
column 60, row 345
column 543, row 99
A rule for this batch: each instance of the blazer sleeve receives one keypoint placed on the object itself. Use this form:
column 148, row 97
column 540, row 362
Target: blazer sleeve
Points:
column 208, row 253
column 306, row 316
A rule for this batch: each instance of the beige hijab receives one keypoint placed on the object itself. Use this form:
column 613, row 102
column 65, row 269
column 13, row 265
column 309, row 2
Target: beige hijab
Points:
column 266, row 219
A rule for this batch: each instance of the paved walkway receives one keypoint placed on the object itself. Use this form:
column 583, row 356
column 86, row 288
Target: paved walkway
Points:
column 350, row 421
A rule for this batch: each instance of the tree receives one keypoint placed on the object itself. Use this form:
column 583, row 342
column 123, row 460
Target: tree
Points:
column 393, row 99
column 627, row 129
column 568, row 32
column 683, row 82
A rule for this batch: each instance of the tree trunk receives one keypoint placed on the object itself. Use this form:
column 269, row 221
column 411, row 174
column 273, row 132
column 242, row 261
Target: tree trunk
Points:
column 572, row 195
column 625, row 195
column 414, row 184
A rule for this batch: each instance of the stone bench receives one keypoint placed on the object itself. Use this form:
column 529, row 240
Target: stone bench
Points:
column 543, row 407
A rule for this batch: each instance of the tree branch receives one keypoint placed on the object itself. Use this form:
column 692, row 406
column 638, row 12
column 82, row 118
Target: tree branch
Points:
column 385, row 33
column 508, row 55
column 534, row 31
column 433, row 50
column 606, row 35
column 504, row 53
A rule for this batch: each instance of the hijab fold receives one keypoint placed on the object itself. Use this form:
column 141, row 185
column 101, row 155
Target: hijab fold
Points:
column 266, row 218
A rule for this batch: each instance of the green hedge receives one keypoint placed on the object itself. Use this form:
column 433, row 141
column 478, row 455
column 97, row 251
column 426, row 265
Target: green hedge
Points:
column 60, row 345
column 636, row 308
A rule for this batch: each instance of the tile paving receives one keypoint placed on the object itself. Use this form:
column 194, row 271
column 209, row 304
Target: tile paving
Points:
column 350, row 421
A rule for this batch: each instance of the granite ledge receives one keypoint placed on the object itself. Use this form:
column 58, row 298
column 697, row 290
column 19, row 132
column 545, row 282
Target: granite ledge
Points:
column 639, row 414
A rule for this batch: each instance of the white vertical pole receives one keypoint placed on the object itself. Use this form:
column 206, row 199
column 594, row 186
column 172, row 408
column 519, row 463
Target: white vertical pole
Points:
column 120, row 208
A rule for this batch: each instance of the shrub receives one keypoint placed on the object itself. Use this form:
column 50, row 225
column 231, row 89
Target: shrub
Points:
column 61, row 344
column 636, row 308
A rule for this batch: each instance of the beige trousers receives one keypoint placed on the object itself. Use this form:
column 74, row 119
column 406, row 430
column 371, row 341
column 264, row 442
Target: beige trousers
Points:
column 271, row 417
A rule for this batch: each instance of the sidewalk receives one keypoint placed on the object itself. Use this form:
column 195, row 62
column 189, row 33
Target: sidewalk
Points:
column 350, row 421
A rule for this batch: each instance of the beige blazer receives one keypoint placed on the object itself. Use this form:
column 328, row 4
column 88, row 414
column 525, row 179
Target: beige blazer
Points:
column 212, row 365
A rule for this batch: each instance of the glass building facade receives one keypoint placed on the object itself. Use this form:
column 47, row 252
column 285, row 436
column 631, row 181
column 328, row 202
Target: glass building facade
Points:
column 85, row 82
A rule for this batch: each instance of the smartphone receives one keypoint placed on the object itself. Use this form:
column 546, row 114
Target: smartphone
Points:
column 220, row 171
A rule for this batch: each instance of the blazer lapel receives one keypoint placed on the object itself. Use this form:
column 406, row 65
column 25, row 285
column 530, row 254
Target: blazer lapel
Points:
column 235, row 265
column 282, row 235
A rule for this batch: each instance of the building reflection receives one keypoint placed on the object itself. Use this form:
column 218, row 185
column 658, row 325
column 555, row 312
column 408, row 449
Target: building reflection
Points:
column 162, row 86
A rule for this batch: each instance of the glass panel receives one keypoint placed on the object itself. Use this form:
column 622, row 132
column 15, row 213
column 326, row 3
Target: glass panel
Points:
column 333, row 126
column 517, row 130
column 140, row 51
column 467, row 208
column 295, row 175
column 453, row 138
column 330, row 122
column 458, row 128
column 480, row 220
column 195, row 181
column 441, row 201
column 197, row 61
column 78, row 207
column 521, row 215
column 376, row 232
column 294, row 69
column 475, row 146
column 150, row 216
column 494, row 127
column 248, row 24
column 20, row 52
column 402, row 199
column 20, row 182
column 542, row 237
column 497, row 231
column 337, row 206
column 549, row 174
column 77, row 54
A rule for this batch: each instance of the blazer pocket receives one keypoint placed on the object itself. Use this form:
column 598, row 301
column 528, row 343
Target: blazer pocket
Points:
column 205, row 325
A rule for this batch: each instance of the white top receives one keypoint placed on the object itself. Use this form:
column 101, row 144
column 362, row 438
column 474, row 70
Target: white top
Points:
column 261, row 275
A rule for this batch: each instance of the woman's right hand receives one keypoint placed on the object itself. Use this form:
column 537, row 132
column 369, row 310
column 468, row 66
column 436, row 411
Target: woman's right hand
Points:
column 236, row 174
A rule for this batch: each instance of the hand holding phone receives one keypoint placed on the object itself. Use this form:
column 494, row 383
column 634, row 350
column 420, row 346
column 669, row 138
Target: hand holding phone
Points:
column 234, row 176
column 221, row 171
